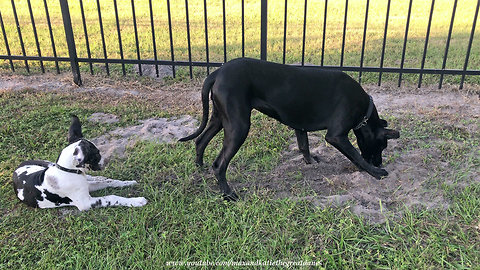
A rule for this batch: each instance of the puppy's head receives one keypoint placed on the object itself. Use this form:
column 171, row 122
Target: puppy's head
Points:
column 85, row 153
column 373, row 138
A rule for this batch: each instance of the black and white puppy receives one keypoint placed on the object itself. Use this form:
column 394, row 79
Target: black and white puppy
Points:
column 45, row 184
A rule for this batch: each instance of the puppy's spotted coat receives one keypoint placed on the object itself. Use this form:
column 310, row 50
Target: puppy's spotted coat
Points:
column 45, row 184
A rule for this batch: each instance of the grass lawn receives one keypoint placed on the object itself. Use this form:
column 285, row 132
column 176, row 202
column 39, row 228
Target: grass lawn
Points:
column 314, row 32
column 186, row 219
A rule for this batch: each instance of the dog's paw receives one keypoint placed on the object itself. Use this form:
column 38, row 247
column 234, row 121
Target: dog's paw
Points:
column 232, row 197
column 138, row 202
column 311, row 159
column 378, row 173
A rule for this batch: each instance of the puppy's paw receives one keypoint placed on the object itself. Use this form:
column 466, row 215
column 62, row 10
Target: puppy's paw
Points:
column 138, row 201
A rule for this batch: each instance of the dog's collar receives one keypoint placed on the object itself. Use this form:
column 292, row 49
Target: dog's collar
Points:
column 68, row 170
column 367, row 116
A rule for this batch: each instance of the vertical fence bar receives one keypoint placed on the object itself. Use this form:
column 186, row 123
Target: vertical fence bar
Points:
column 243, row 28
column 206, row 35
column 405, row 43
column 6, row 43
column 120, row 47
column 263, row 29
column 171, row 37
column 344, row 32
column 382, row 58
column 72, row 51
column 187, row 19
column 444, row 64
column 89, row 54
column 224, row 32
column 103, row 36
column 427, row 37
column 324, row 31
column 52, row 41
column 304, row 32
column 19, row 31
column 137, row 45
column 363, row 42
column 285, row 32
column 470, row 41
column 35, row 35
column 154, row 44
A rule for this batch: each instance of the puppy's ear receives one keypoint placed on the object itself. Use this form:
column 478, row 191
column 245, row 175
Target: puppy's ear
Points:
column 391, row 134
column 75, row 130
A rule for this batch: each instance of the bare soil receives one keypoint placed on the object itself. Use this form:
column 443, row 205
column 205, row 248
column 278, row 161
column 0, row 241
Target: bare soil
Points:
column 417, row 167
column 160, row 130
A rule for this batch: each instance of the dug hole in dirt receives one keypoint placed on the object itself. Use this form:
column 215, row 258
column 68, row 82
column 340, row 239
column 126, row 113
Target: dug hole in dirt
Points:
column 415, row 173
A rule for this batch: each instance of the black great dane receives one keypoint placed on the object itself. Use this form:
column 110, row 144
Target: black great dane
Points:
column 305, row 99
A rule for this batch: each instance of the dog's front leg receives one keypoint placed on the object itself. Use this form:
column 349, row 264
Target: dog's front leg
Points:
column 302, row 140
column 343, row 145
column 100, row 182
column 111, row 200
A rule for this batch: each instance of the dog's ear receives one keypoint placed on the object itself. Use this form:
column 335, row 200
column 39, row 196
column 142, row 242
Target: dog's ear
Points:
column 75, row 130
column 391, row 134
column 383, row 123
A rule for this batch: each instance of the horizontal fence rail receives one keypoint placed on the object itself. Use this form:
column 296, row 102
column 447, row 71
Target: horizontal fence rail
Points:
column 368, row 37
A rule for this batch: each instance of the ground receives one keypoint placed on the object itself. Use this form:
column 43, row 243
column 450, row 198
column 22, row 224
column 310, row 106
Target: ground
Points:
column 435, row 125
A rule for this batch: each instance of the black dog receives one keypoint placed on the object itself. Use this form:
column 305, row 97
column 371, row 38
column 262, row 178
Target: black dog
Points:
column 305, row 99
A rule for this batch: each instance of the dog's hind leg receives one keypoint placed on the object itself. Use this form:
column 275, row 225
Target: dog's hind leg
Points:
column 236, row 131
column 214, row 126
column 302, row 140
column 100, row 182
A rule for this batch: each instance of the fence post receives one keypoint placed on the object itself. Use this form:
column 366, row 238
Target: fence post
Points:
column 263, row 31
column 72, row 51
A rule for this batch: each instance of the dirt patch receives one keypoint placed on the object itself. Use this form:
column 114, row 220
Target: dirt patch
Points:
column 104, row 118
column 160, row 130
column 459, row 109
column 335, row 181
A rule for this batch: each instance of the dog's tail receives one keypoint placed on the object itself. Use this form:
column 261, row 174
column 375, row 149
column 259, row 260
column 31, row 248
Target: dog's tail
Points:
column 207, row 85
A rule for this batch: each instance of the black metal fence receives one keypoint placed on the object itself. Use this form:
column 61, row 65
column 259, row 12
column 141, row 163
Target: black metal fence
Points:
column 174, row 61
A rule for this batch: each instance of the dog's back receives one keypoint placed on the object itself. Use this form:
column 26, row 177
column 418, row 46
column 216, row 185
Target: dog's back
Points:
column 27, row 177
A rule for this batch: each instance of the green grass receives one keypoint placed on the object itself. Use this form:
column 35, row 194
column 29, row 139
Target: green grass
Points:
column 335, row 18
column 186, row 219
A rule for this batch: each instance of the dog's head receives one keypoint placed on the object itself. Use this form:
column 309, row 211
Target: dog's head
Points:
column 372, row 139
column 85, row 153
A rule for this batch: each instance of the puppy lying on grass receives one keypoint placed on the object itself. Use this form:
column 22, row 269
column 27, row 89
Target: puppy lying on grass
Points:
column 45, row 184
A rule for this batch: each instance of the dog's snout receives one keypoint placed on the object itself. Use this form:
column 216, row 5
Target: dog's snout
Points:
column 102, row 163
